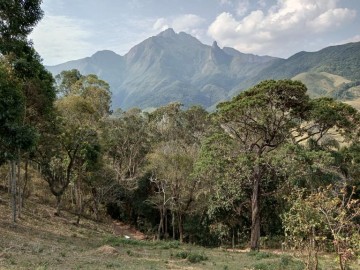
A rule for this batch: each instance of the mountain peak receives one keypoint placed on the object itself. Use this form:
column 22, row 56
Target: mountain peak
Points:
column 104, row 53
column 215, row 46
column 167, row 33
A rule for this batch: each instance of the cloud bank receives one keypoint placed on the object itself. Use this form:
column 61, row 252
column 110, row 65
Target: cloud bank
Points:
column 278, row 29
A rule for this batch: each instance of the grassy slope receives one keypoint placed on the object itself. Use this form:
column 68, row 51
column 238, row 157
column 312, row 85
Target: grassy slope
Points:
column 355, row 103
column 320, row 84
column 43, row 241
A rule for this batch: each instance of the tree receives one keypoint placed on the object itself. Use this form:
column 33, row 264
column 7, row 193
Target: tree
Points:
column 329, row 211
column 274, row 113
column 14, row 135
column 74, row 146
column 126, row 142
column 17, row 20
column 176, row 142
column 261, row 119
column 171, row 166
column 224, row 174
column 18, row 17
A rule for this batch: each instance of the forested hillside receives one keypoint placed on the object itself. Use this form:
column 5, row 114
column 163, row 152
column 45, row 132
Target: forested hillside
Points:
column 269, row 168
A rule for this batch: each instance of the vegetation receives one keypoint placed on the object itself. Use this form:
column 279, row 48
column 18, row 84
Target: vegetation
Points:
column 271, row 167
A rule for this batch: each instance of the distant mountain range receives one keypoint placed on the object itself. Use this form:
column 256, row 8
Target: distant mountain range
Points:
column 178, row 67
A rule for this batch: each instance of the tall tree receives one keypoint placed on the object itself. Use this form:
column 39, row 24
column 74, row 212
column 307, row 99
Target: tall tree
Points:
column 17, row 20
column 14, row 135
column 261, row 119
column 270, row 114
column 177, row 135
column 85, row 104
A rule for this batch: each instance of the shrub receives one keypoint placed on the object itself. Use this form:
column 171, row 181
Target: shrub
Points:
column 191, row 257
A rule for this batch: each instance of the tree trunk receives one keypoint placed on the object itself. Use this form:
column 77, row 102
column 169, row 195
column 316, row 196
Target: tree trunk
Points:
column 10, row 179
column 255, row 212
column 166, row 229
column 161, row 223
column 79, row 199
column 96, row 203
column 181, row 229
column 173, row 224
column 58, row 204
column 13, row 190
column 20, row 195
column 26, row 181
column 341, row 262
column 233, row 239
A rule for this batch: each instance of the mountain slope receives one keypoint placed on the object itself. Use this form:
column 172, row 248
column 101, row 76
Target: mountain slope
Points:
column 178, row 67
column 170, row 67
column 342, row 60
column 321, row 83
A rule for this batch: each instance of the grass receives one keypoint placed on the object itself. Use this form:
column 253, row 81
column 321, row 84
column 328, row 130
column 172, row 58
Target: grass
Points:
column 320, row 83
column 355, row 103
column 42, row 241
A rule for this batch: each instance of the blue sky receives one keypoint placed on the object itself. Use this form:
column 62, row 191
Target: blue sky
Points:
column 73, row 29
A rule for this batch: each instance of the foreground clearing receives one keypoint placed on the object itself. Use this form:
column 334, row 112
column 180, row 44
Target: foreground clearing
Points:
column 41, row 240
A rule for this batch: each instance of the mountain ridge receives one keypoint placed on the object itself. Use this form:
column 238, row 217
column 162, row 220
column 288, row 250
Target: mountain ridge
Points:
column 177, row 67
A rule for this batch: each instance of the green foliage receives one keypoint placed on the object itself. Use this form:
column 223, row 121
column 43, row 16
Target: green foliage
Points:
column 251, row 126
column 191, row 256
column 268, row 261
column 18, row 18
column 341, row 60
column 175, row 146
column 326, row 215
column 329, row 113
column 14, row 135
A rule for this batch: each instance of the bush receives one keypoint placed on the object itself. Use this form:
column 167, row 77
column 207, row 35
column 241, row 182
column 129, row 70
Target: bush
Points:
column 196, row 258
column 182, row 255
column 191, row 257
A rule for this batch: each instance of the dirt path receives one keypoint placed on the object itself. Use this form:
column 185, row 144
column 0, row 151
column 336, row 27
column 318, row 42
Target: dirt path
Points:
column 121, row 229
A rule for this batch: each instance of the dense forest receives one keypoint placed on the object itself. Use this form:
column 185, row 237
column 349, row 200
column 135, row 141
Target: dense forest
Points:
column 269, row 167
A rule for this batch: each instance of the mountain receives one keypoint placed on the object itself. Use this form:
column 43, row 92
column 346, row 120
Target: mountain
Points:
column 170, row 67
column 178, row 67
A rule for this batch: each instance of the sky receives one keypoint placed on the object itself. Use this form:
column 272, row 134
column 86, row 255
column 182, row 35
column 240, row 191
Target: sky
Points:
column 74, row 29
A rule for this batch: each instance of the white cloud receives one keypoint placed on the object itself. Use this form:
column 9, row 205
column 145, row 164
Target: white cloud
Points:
column 331, row 18
column 160, row 24
column 355, row 38
column 225, row 2
column 186, row 22
column 262, row 3
column 60, row 38
column 284, row 24
column 242, row 7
